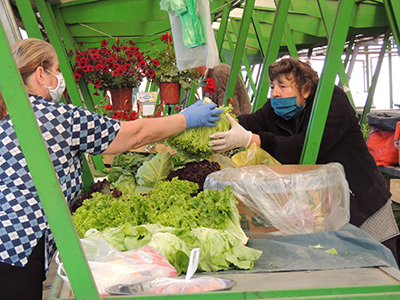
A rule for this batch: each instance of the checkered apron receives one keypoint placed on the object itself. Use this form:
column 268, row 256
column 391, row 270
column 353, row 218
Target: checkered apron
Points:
column 68, row 132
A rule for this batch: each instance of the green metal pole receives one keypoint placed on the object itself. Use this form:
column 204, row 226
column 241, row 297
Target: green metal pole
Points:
column 290, row 42
column 44, row 176
column 222, row 27
column 392, row 8
column 53, row 33
column 271, row 52
column 240, row 43
column 344, row 80
column 374, row 81
column 245, row 62
column 324, row 92
column 28, row 18
column 257, row 29
column 367, row 67
column 390, row 65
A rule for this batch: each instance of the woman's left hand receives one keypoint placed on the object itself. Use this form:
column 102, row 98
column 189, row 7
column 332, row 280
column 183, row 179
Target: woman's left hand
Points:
column 234, row 138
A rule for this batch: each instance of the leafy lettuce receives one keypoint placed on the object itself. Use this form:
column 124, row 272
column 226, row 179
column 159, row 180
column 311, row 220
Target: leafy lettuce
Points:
column 154, row 170
column 193, row 143
column 219, row 249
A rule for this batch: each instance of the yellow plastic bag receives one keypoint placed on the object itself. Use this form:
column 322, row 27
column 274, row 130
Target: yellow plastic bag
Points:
column 253, row 155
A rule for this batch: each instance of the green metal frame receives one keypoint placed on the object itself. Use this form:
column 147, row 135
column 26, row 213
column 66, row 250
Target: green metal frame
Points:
column 374, row 81
column 271, row 52
column 43, row 174
column 319, row 113
column 52, row 197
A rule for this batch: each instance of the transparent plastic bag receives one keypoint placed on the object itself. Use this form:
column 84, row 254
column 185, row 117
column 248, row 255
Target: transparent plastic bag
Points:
column 188, row 284
column 111, row 267
column 182, row 286
column 200, row 55
column 296, row 199
column 253, row 155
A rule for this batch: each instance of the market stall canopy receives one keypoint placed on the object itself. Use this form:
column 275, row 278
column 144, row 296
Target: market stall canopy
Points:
column 91, row 21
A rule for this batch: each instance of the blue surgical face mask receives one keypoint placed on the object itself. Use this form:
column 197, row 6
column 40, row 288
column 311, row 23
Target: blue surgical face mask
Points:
column 286, row 107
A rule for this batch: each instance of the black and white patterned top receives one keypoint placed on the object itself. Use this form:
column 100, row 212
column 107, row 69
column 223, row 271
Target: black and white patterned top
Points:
column 68, row 132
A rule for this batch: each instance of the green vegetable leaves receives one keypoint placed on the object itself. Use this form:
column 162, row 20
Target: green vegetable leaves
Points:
column 193, row 143
column 155, row 170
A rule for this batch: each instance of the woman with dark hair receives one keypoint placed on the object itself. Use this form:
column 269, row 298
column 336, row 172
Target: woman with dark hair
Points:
column 280, row 127
column 27, row 244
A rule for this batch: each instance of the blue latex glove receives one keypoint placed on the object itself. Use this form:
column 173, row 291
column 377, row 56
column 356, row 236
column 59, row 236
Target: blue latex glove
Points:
column 201, row 115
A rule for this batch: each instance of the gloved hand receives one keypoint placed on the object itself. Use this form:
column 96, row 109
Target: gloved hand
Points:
column 234, row 138
column 201, row 115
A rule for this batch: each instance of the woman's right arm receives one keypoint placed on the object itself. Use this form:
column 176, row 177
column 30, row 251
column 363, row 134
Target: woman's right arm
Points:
column 135, row 134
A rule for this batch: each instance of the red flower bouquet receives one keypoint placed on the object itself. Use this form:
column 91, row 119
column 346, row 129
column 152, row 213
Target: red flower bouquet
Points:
column 120, row 66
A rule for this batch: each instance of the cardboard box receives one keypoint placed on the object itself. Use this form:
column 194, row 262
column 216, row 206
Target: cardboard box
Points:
column 252, row 224
column 297, row 198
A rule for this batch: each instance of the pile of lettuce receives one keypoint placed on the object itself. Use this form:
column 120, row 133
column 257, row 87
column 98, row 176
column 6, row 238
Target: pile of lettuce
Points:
column 173, row 218
column 193, row 143
column 219, row 249
column 170, row 203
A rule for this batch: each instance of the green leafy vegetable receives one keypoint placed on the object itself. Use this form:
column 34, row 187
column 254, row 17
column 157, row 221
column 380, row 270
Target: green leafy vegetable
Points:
column 154, row 170
column 219, row 249
column 103, row 211
column 193, row 143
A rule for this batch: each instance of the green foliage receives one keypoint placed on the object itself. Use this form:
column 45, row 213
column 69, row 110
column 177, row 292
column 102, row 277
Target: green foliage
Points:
column 169, row 204
column 165, row 67
column 365, row 130
column 155, row 170
column 193, row 143
column 104, row 211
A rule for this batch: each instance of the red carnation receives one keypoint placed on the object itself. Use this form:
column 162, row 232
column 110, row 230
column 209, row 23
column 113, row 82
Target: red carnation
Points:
column 151, row 73
column 104, row 43
column 210, row 86
column 166, row 37
column 95, row 56
column 77, row 76
column 142, row 63
column 97, row 83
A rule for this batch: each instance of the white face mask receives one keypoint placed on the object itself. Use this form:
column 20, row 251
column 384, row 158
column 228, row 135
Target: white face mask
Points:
column 57, row 93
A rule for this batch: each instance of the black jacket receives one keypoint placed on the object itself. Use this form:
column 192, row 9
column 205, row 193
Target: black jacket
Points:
column 342, row 142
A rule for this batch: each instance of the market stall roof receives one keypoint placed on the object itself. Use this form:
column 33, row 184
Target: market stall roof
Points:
column 90, row 21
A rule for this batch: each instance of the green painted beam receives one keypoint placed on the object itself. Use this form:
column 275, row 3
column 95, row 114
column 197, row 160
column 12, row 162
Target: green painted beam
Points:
column 371, row 91
column 246, row 64
column 28, row 18
column 344, row 80
column 239, row 51
column 392, row 8
column 87, row 96
column 55, row 39
column 43, row 174
column 271, row 52
column 289, row 41
column 222, row 27
column 326, row 83
column 259, row 35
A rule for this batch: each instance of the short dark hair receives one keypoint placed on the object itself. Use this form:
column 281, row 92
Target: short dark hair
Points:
column 303, row 73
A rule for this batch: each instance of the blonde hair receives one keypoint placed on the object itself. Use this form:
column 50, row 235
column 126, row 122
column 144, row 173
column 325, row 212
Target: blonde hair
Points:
column 32, row 53
column 3, row 108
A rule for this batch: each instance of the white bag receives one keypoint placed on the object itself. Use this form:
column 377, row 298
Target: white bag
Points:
column 116, row 267
column 206, row 55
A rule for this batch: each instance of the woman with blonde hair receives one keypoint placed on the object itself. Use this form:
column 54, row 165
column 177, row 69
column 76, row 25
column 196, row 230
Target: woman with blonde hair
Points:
column 68, row 131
